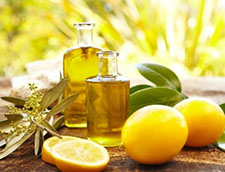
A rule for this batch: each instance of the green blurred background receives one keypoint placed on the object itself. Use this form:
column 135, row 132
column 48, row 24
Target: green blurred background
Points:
column 185, row 35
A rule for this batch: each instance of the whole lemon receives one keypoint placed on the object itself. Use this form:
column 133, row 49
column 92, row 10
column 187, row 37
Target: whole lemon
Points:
column 154, row 134
column 205, row 120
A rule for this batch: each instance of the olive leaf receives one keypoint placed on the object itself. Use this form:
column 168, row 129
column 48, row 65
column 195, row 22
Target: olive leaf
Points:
column 149, row 96
column 15, row 100
column 2, row 143
column 52, row 95
column 5, row 125
column 138, row 87
column 58, row 122
column 12, row 147
column 60, row 99
column 14, row 117
column 46, row 126
column 50, row 121
column 220, row 143
column 159, row 75
column 64, row 104
column 34, row 122
column 13, row 140
column 38, row 141
column 60, row 76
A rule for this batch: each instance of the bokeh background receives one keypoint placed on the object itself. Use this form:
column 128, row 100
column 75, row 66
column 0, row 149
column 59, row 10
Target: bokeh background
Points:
column 187, row 36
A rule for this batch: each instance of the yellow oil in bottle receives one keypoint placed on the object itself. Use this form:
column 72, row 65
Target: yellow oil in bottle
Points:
column 107, row 111
column 107, row 103
column 79, row 62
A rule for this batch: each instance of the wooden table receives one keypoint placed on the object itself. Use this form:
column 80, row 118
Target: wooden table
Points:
column 202, row 159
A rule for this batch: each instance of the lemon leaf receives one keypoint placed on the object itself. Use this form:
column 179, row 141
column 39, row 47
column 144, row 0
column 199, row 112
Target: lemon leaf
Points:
column 223, row 107
column 220, row 143
column 159, row 75
column 150, row 96
column 52, row 95
column 138, row 87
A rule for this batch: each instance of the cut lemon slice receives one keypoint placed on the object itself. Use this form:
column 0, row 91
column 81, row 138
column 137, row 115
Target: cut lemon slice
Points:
column 80, row 156
column 49, row 143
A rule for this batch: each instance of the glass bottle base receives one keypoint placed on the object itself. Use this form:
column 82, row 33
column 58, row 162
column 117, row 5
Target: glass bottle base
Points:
column 75, row 120
column 106, row 142
column 79, row 125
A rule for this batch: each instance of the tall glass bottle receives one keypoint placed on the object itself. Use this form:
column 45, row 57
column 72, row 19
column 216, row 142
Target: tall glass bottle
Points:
column 79, row 62
column 107, row 101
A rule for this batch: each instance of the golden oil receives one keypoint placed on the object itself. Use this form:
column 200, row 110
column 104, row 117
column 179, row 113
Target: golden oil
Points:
column 79, row 63
column 107, row 102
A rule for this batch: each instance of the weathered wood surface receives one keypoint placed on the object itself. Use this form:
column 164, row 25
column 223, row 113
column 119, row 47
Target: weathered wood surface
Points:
column 201, row 159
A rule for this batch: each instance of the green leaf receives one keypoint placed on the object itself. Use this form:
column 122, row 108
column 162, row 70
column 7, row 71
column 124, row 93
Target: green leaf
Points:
column 46, row 126
column 184, row 96
column 14, row 117
column 138, row 87
column 63, row 105
column 14, row 100
column 60, row 76
column 15, row 139
column 52, row 95
column 223, row 107
column 50, row 121
column 60, row 99
column 38, row 141
column 5, row 125
column 2, row 143
column 12, row 147
column 59, row 121
column 159, row 75
column 220, row 143
column 150, row 96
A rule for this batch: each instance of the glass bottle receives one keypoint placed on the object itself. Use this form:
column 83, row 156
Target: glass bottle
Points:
column 79, row 62
column 107, row 101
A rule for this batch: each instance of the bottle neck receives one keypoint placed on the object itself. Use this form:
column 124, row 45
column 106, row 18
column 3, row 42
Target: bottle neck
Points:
column 107, row 64
column 84, row 37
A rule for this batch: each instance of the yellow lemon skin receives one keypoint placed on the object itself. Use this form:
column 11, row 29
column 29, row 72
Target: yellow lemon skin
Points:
column 49, row 143
column 154, row 134
column 205, row 120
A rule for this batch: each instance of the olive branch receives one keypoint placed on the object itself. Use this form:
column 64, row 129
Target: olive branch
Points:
column 33, row 116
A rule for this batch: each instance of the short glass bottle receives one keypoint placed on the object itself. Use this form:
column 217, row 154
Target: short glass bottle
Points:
column 107, row 101
column 79, row 62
